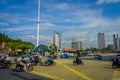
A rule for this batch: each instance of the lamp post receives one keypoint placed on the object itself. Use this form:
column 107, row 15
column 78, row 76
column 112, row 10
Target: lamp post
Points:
column 38, row 22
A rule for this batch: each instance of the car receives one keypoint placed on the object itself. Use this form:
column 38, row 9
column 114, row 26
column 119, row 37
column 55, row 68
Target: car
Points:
column 99, row 57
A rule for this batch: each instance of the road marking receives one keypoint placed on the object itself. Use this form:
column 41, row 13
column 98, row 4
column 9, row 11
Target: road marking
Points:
column 46, row 75
column 116, row 74
column 74, row 71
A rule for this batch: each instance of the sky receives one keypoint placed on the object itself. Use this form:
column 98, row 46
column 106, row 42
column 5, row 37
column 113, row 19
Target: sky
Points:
column 76, row 20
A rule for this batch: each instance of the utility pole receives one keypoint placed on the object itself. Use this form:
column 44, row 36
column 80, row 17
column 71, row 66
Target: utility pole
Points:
column 38, row 22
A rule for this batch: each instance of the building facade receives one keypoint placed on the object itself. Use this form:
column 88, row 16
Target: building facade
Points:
column 76, row 45
column 101, row 40
column 116, row 43
column 57, row 40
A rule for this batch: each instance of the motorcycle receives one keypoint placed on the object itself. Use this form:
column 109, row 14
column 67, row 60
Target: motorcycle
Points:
column 114, row 64
column 78, row 63
column 5, row 63
column 28, row 66
column 48, row 63
column 35, row 61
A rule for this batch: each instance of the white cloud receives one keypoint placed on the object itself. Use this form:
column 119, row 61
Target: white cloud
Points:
column 46, row 40
column 47, row 27
column 88, row 31
column 28, row 37
column 4, row 24
column 10, row 18
column 107, row 1
column 18, row 28
column 62, row 6
column 19, row 31
column 87, row 24
column 57, row 6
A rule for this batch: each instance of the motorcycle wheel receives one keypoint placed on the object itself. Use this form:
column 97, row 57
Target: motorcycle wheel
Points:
column 82, row 63
column 54, row 63
column 74, row 63
column 113, row 65
column 19, row 69
column 30, row 68
column 41, row 63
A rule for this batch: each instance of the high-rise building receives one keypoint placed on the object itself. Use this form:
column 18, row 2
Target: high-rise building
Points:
column 76, row 45
column 57, row 39
column 116, row 42
column 101, row 40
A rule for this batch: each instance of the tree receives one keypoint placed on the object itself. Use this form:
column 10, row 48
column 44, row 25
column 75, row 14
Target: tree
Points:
column 18, row 44
column 106, row 50
column 52, row 49
column 15, row 44
column 95, row 49
column 81, row 49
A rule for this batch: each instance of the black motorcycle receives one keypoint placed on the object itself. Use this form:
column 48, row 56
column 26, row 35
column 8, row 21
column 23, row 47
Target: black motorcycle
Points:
column 35, row 61
column 114, row 64
column 78, row 62
column 5, row 63
column 28, row 66
column 49, row 63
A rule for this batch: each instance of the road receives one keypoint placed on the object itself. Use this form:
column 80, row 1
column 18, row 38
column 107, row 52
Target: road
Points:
column 91, row 70
column 9, row 74
column 64, row 70
column 105, row 57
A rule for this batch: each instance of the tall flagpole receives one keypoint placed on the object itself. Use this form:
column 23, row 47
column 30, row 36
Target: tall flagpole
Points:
column 38, row 22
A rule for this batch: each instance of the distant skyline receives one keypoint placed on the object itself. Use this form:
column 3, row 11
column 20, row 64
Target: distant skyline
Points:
column 78, row 20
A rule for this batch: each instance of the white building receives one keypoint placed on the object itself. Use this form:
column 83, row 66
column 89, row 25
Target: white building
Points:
column 57, row 40
column 101, row 40
column 76, row 45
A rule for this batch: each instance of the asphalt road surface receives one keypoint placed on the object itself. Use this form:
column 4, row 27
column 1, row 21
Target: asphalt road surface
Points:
column 9, row 74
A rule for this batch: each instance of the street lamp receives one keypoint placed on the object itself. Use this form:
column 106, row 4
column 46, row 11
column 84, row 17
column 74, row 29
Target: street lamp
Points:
column 38, row 22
